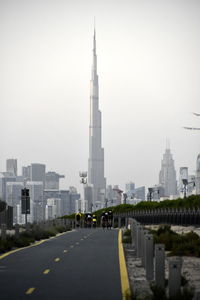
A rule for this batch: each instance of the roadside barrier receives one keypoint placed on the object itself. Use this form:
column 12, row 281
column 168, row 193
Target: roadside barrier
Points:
column 153, row 259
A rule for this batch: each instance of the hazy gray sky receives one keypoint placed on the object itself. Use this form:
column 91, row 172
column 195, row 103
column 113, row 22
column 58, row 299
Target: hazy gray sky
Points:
column 149, row 72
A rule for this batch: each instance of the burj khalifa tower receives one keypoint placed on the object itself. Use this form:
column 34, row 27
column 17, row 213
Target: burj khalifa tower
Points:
column 96, row 153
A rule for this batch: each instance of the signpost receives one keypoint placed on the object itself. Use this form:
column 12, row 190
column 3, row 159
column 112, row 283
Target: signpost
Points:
column 25, row 203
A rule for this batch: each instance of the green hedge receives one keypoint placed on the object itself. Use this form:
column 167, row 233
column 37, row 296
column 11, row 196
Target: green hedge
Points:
column 192, row 201
column 26, row 238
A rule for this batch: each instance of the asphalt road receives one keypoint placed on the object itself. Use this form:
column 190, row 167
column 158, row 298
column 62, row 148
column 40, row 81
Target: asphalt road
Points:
column 82, row 264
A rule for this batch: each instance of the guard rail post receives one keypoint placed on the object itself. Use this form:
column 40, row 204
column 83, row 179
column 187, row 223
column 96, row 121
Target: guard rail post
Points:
column 139, row 241
column 174, row 276
column 149, row 256
column 160, row 265
column 144, row 232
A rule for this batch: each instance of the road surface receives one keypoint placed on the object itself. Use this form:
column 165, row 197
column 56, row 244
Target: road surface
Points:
column 82, row 264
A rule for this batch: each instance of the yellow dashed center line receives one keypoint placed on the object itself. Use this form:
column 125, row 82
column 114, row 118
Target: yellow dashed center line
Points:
column 30, row 291
column 46, row 271
column 56, row 259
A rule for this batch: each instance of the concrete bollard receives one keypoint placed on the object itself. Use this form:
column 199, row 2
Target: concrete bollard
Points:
column 149, row 256
column 136, row 237
column 126, row 223
column 132, row 232
column 119, row 222
column 144, row 232
column 139, row 240
column 197, row 294
column 174, row 276
column 3, row 231
column 160, row 265
column 17, row 231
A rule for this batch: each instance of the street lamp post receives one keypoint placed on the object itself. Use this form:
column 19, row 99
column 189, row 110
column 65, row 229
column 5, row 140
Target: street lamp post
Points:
column 185, row 186
column 149, row 197
column 151, row 192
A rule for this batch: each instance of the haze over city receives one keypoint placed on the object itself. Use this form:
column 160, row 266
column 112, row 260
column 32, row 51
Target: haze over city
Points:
column 148, row 67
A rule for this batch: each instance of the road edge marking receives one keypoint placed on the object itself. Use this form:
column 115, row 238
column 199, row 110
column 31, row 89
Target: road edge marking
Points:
column 57, row 259
column 125, row 286
column 30, row 291
column 33, row 245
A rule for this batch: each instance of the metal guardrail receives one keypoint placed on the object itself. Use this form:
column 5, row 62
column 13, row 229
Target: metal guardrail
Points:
column 184, row 217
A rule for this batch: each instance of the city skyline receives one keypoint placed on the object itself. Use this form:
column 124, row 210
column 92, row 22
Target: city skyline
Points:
column 149, row 70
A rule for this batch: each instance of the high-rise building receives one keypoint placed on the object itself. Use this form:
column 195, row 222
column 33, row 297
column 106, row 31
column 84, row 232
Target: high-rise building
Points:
column 130, row 189
column 37, row 172
column 183, row 174
column 3, row 182
column 26, row 173
column 117, row 195
column 88, row 196
column 167, row 176
column 96, row 152
column 65, row 202
column 140, row 193
column 52, row 180
column 53, row 208
column 13, row 196
column 73, row 196
column 36, row 191
column 198, row 175
column 11, row 166
column 109, row 195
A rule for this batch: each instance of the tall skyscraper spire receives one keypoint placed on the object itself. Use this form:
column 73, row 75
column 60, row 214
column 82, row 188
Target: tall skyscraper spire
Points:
column 167, row 175
column 96, row 152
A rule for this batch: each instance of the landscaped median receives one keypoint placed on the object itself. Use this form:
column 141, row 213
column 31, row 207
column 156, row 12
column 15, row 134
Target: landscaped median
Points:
column 28, row 237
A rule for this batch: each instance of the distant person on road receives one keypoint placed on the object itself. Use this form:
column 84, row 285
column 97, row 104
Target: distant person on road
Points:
column 94, row 221
column 106, row 219
column 110, row 218
column 89, row 221
column 78, row 219
column 103, row 220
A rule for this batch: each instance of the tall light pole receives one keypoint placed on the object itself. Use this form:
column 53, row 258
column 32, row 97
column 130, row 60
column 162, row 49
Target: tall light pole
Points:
column 185, row 186
column 83, row 180
column 151, row 192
